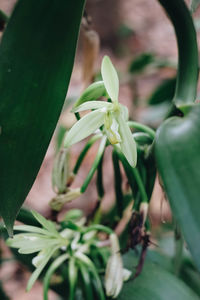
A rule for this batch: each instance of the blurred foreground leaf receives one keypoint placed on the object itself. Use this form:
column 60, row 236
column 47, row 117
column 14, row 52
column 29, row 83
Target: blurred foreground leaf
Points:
column 154, row 283
column 36, row 60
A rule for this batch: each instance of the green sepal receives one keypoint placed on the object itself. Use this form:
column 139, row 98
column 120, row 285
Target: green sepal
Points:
column 93, row 91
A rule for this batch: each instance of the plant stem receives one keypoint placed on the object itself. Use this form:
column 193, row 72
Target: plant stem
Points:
column 142, row 128
column 94, row 165
column 118, row 183
column 99, row 227
column 84, row 152
column 186, row 85
column 99, row 182
column 77, row 115
column 178, row 250
column 133, row 173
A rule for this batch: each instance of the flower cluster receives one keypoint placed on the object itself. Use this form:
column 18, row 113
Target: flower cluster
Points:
column 76, row 243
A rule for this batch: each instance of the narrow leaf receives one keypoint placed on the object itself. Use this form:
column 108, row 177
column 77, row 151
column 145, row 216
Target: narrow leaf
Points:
column 110, row 78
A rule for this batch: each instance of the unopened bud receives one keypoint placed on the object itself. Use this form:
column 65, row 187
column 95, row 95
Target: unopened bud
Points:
column 58, row 202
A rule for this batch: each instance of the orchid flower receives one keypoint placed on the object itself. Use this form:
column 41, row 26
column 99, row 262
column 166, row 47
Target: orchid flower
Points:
column 115, row 273
column 112, row 115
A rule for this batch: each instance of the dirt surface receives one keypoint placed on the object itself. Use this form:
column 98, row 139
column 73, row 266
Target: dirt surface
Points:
column 152, row 32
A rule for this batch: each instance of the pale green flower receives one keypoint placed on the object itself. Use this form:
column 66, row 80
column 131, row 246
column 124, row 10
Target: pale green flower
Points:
column 71, row 241
column 46, row 240
column 115, row 273
column 113, row 115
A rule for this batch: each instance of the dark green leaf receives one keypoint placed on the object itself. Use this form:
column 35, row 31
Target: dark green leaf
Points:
column 154, row 283
column 177, row 147
column 164, row 92
column 191, row 277
column 141, row 62
column 36, row 60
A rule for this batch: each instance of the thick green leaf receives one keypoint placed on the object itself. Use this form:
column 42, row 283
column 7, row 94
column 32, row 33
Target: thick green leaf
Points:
column 36, row 60
column 177, row 147
column 154, row 283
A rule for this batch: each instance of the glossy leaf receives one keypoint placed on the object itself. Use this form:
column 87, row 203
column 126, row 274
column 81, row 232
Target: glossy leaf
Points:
column 36, row 60
column 154, row 283
column 177, row 147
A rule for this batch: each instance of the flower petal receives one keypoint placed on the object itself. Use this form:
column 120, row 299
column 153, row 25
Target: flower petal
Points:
column 128, row 145
column 48, row 225
column 92, row 105
column 47, row 255
column 110, row 78
column 84, row 127
column 124, row 112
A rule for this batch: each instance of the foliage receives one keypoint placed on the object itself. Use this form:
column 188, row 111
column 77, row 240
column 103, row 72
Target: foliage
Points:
column 83, row 253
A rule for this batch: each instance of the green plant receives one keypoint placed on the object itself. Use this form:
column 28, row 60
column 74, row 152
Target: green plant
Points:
column 34, row 75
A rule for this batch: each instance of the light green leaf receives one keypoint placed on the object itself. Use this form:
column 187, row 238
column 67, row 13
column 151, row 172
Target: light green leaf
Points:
column 110, row 78
column 128, row 145
column 94, row 91
column 92, row 105
column 84, row 127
